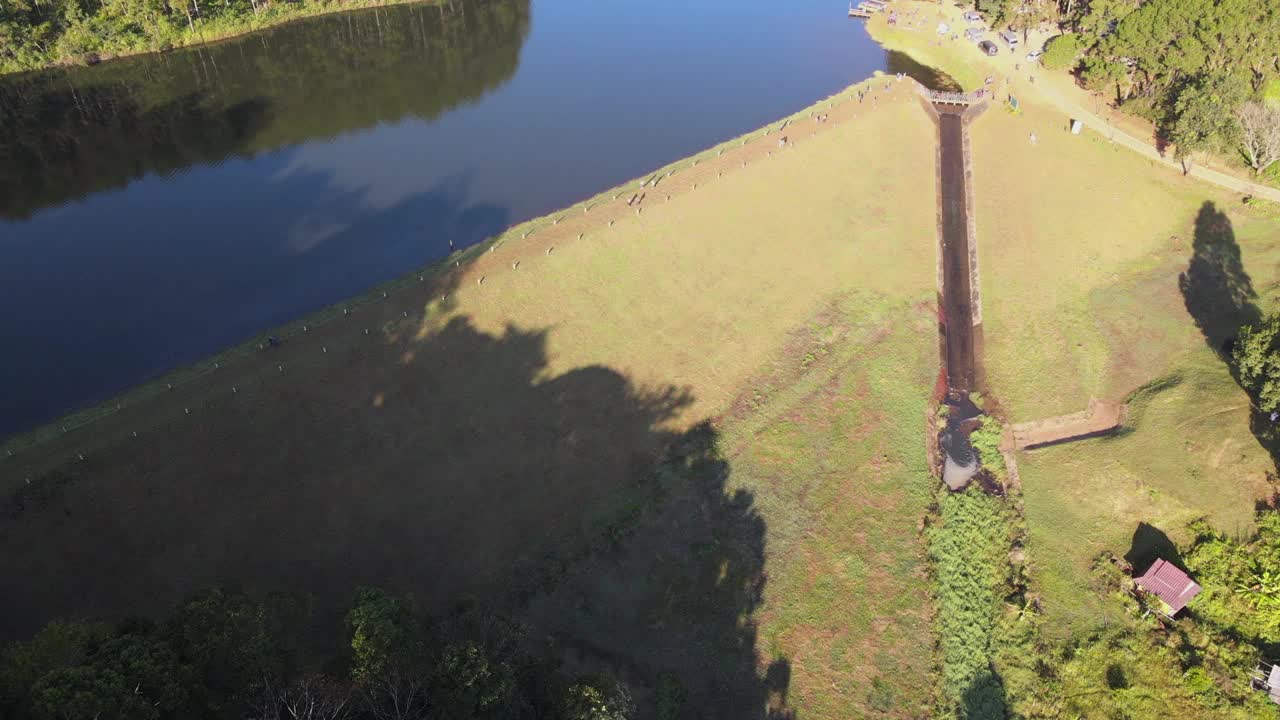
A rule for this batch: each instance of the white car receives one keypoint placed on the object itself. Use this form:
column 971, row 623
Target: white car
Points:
column 972, row 17
column 1034, row 55
column 1009, row 38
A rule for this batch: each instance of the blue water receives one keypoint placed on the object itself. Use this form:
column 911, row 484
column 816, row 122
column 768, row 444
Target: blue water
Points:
column 154, row 210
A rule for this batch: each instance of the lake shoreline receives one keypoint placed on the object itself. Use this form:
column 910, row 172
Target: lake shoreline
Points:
column 349, row 6
column 168, row 386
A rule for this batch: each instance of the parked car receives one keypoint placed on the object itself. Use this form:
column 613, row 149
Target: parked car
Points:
column 1010, row 38
column 988, row 47
column 1034, row 55
column 972, row 17
column 973, row 34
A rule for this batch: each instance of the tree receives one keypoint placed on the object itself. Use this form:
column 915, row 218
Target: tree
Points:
column 88, row 693
column 1204, row 116
column 1257, row 360
column 1101, row 76
column 310, row 697
column 1062, row 52
column 73, row 670
column 1259, row 134
column 59, row 646
column 998, row 12
column 233, row 640
column 1030, row 14
column 149, row 669
column 669, row 697
column 600, row 698
column 383, row 631
column 1094, row 18
column 468, row 683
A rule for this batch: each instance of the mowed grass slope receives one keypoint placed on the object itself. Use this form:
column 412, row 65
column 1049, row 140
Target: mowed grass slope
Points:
column 825, row 449
column 849, row 606
column 1071, row 229
column 481, row 434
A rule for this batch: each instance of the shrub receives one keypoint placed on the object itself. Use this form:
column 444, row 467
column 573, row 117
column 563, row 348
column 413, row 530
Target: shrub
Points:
column 599, row 698
column 986, row 440
column 1241, row 581
column 968, row 549
column 880, row 697
column 670, row 697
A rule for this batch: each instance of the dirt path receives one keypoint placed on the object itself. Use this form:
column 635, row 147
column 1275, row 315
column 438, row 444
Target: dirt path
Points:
column 1066, row 101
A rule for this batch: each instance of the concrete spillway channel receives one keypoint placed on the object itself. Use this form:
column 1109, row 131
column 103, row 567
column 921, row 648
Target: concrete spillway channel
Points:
column 959, row 293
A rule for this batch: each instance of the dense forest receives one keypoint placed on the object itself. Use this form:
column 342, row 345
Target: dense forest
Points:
column 36, row 33
column 232, row 654
column 641, row 607
column 1205, row 72
column 75, row 131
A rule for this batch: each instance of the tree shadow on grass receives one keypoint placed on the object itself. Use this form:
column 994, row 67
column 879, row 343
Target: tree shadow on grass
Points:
column 447, row 462
column 1215, row 286
column 659, row 598
column 1149, row 544
column 1220, row 298
column 985, row 698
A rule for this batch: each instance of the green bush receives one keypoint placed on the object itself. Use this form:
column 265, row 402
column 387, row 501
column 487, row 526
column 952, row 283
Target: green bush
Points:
column 969, row 550
column 597, row 698
column 670, row 697
column 1240, row 580
column 986, row 441
column 1062, row 52
column 1257, row 359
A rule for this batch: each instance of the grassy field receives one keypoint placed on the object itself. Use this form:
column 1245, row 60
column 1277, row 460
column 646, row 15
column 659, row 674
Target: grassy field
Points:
column 1187, row 453
column 1103, row 274
column 498, row 426
column 1100, row 303
column 493, row 428
column 843, row 451
column 825, row 450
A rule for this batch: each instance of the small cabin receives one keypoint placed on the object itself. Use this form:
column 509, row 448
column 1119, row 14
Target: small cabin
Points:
column 1170, row 584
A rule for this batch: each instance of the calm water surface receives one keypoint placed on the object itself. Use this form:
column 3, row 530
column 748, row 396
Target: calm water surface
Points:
column 157, row 209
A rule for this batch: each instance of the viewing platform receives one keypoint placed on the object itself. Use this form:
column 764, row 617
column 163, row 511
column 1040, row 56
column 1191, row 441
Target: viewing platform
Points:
column 955, row 99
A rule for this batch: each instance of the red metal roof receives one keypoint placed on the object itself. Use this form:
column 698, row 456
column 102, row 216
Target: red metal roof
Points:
column 1170, row 584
